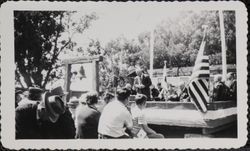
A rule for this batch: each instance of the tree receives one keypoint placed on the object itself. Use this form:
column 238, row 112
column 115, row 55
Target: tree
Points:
column 178, row 40
column 40, row 36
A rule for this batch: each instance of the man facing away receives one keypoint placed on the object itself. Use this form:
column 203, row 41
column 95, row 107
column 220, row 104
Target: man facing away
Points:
column 87, row 117
column 140, row 126
column 48, row 119
column 116, row 118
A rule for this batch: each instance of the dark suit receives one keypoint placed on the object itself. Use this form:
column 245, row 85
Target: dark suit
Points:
column 145, row 80
column 29, row 127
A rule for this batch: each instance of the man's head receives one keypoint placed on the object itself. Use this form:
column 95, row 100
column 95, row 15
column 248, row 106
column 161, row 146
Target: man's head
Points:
column 159, row 85
column 108, row 97
column 91, row 98
column 217, row 78
column 230, row 76
column 122, row 95
column 140, row 100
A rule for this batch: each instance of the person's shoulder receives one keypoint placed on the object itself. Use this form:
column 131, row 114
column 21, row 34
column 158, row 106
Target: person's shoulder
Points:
column 26, row 107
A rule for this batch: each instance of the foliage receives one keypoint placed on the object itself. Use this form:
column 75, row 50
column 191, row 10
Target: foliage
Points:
column 40, row 36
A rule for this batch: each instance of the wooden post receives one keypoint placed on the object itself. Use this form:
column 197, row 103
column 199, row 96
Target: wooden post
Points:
column 95, row 68
column 67, row 80
column 151, row 53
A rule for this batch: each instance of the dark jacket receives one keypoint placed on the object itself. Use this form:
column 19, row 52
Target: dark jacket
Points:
column 220, row 92
column 233, row 90
column 154, row 92
column 87, row 119
column 28, row 127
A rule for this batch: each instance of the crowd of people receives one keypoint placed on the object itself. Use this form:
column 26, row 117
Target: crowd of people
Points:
column 47, row 115
column 44, row 114
column 220, row 90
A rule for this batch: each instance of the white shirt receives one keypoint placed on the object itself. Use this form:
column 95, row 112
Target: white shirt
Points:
column 138, row 119
column 114, row 119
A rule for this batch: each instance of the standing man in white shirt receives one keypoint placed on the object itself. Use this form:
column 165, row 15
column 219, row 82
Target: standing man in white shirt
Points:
column 116, row 118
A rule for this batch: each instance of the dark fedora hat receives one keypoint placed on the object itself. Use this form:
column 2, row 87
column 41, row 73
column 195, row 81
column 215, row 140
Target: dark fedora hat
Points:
column 58, row 91
column 35, row 93
column 54, row 106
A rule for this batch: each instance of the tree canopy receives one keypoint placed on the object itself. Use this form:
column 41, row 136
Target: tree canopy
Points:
column 40, row 36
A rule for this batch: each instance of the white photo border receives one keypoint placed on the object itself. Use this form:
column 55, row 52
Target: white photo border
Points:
column 8, row 77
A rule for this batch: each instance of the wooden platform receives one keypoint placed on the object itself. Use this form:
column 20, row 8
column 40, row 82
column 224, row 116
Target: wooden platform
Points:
column 218, row 115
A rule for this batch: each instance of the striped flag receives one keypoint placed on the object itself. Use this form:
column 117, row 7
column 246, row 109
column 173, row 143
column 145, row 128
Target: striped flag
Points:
column 199, row 81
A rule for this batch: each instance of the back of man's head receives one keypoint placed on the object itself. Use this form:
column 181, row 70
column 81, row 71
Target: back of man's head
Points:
column 140, row 99
column 123, row 94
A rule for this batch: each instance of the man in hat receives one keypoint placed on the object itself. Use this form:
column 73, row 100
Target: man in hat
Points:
column 34, row 96
column 116, row 118
column 49, row 119
column 142, row 83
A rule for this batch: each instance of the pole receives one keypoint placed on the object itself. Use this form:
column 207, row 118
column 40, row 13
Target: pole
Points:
column 151, row 52
column 223, row 45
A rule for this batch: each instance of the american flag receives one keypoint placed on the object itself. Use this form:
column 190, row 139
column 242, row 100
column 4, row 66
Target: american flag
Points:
column 199, row 81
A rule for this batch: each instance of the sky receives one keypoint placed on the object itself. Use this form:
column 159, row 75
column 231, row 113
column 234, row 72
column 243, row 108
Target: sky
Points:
column 124, row 20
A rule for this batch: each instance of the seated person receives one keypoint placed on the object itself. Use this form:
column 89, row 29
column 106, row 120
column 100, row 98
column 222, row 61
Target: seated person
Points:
column 184, row 96
column 162, row 92
column 87, row 117
column 172, row 94
column 116, row 118
column 129, row 87
column 220, row 90
column 154, row 93
column 232, row 85
column 140, row 126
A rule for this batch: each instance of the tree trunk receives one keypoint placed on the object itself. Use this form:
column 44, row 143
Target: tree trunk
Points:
column 27, row 79
column 38, row 78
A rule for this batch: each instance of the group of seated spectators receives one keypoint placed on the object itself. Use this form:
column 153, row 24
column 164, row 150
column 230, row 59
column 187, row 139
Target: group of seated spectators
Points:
column 224, row 90
column 48, row 116
column 220, row 90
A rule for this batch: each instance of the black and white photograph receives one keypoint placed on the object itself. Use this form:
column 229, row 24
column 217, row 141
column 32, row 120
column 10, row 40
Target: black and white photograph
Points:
column 124, row 75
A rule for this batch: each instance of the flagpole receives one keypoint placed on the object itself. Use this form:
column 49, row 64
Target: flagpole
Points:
column 151, row 52
column 223, row 45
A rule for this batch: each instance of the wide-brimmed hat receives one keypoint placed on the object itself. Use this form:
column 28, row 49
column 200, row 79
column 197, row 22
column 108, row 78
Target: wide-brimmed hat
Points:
column 34, row 93
column 54, row 106
column 58, row 91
